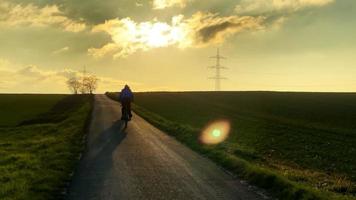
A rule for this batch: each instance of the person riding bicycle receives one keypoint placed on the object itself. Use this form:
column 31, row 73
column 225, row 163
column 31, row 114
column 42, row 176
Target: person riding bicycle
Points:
column 126, row 97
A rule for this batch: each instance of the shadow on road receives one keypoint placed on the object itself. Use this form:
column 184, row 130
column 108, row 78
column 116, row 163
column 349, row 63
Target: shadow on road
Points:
column 110, row 137
column 97, row 164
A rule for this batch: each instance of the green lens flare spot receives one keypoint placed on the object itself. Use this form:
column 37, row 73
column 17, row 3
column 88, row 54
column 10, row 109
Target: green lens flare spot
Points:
column 216, row 133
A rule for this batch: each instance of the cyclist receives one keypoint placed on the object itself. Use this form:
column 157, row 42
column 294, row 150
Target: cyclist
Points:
column 125, row 98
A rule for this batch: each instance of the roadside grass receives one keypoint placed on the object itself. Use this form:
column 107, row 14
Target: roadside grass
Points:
column 38, row 156
column 15, row 108
column 296, row 145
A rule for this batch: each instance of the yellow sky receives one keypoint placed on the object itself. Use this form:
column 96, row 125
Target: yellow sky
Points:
column 155, row 45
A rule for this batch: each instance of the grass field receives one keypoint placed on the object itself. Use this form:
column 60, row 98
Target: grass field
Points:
column 301, row 142
column 40, row 144
column 15, row 108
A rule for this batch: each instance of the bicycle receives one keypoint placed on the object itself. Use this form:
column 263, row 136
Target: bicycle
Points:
column 125, row 115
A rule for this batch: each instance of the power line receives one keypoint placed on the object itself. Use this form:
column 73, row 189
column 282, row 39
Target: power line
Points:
column 218, row 69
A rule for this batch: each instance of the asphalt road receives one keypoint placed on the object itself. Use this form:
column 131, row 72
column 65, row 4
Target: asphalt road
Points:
column 141, row 162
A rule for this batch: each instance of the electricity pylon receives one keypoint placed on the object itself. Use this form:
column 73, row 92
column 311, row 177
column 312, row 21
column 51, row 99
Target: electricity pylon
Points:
column 84, row 74
column 218, row 69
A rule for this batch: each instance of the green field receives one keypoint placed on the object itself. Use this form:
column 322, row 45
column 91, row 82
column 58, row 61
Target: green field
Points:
column 16, row 108
column 290, row 140
column 40, row 140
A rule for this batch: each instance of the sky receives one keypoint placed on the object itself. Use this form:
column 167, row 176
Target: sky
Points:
column 166, row 45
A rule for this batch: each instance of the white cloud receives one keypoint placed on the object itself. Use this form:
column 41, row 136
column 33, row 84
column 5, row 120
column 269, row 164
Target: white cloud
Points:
column 269, row 6
column 162, row 4
column 14, row 15
column 201, row 29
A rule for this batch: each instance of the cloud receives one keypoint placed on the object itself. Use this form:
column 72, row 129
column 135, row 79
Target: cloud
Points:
column 110, row 49
column 202, row 29
column 33, row 72
column 279, row 22
column 207, row 28
column 34, row 79
column 138, row 4
column 61, row 50
column 253, row 7
column 15, row 15
column 31, row 79
column 4, row 64
column 129, row 36
column 162, row 4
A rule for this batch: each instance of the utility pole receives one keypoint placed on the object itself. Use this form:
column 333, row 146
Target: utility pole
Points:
column 84, row 72
column 83, row 79
column 218, row 69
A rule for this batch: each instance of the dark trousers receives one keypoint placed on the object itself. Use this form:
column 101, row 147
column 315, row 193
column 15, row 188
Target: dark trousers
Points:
column 126, row 105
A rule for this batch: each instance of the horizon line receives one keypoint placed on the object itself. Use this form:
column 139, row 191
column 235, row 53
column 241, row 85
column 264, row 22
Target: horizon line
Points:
column 187, row 91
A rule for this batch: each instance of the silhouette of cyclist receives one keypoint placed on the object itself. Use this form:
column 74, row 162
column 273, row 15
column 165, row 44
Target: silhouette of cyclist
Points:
column 125, row 98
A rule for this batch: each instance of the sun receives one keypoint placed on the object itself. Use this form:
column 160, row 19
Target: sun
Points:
column 158, row 35
column 148, row 35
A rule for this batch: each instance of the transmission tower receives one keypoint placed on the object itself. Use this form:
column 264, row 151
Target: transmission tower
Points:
column 218, row 69
column 84, row 74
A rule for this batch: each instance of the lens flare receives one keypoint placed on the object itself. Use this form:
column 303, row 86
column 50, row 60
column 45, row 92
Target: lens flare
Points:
column 216, row 132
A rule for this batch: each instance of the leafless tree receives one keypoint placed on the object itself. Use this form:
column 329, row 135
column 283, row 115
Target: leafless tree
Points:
column 84, row 84
column 90, row 83
column 83, row 88
column 74, row 84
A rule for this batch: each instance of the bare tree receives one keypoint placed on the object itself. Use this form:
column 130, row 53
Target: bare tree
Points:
column 74, row 84
column 90, row 83
column 84, row 84
column 83, row 88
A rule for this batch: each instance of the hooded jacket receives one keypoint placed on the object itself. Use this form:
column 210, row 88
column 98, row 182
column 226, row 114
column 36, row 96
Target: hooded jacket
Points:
column 126, row 94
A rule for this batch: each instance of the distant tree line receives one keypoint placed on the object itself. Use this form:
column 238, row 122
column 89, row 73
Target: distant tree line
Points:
column 86, row 84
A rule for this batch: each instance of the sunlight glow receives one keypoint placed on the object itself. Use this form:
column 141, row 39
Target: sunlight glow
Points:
column 200, row 30
column 147, row 35
column 157, row 35
column 215, row 132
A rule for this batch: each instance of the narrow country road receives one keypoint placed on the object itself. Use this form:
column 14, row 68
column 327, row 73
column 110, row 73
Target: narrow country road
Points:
column 141, row 162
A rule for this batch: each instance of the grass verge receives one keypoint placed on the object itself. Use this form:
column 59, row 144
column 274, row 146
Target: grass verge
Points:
column 38, row 157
